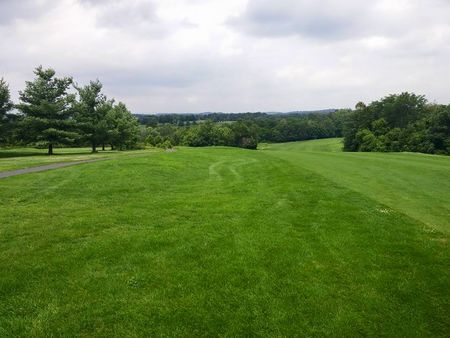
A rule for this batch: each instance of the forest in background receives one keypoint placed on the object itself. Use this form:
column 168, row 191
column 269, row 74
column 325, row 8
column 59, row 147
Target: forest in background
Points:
column 396, row 123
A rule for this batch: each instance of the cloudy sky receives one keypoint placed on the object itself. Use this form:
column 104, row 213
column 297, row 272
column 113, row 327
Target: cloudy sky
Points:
column 233, row 55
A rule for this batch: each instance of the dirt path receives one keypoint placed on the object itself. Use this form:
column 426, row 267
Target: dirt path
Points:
column 4, row 174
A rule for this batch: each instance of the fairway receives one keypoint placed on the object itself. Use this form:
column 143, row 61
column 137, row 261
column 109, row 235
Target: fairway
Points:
column 294, row 239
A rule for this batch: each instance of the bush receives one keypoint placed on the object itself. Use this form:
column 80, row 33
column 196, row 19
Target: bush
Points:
column 165, row 145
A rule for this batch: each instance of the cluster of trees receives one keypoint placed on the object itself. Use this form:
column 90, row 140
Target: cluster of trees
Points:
column 238, row 134
column 248, row 129
column 55, row 111
column 404, row 122
column 188, row 119
column 301, row 127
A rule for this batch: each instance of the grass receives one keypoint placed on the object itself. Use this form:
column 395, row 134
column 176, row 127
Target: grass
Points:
column 220, row 241
column 19, row 158
column 417, row 185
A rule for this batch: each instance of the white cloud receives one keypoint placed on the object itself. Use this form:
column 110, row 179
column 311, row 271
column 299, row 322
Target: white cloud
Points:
column 235, row 55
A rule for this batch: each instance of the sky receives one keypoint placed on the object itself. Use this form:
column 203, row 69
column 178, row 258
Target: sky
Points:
column 179, row 56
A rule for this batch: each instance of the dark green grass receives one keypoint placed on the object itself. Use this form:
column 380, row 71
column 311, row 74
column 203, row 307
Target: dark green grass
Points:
column 208, row 242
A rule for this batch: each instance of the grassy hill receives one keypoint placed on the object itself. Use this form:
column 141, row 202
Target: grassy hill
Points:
column 293, row 239
column 417, row 185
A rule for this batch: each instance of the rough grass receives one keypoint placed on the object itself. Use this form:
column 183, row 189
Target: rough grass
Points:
column 217, row 241
column 19, row 158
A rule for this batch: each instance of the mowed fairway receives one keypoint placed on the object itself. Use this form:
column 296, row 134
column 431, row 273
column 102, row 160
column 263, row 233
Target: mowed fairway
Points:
column 292, row 240
column 417, row 185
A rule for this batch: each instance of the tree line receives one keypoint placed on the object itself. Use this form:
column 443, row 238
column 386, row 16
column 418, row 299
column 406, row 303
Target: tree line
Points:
column 249, row 129
column 397, row 123
column 240, row 134
column 189, row 118
column 55, row 111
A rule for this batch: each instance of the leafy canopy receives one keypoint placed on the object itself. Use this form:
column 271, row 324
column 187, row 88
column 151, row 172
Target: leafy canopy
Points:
column 47, row 109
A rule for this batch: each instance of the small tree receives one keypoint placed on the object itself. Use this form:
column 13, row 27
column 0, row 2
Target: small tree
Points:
column 123, row 127
column 91, row 110
column 47, row 109
column 154, row 137
column 245, row 135
column 5, row 106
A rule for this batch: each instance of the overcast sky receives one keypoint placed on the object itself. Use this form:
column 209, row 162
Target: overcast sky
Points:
column 233, row 55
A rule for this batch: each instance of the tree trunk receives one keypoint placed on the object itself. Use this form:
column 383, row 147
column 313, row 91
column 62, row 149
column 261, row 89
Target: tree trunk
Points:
column 94, row 147
column 50, row 149
column 103, row 146
column 112, row 146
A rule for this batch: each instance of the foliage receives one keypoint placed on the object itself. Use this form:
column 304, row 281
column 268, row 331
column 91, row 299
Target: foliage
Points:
column 50, row 116
column 91, row 111
column 5, row 107
column 122, row 127
column 238, row 134
column 47, row 110
column 404, row 122
column 249, row 129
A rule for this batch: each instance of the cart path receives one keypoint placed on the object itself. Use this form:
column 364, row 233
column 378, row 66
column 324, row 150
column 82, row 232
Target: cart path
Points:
column 4, row 174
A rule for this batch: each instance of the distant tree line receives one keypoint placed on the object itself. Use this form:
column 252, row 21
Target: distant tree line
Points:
column 404, row 122
column 249, row 129
column 237, row 134
column 56, row 111
column 396, row 123
column 188, row 119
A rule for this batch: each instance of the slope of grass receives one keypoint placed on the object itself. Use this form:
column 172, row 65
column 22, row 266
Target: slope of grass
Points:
column 207, row 242
column 415, row 184
column 322, row 145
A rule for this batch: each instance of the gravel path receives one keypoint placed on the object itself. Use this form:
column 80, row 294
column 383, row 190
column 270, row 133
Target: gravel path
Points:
column 4, row 174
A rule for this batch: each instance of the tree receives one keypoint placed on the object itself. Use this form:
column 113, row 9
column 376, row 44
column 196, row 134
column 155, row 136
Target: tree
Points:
column 402, row 109
column 367, row 141
column 123, row 127
column 360, row 105
column 91, row 110
column 154, row 137
column 403, row 122
column 103, row 132
column 436, row 127
column 245, row 135
column 47, row 109
column 201, row 135
column 5, row 106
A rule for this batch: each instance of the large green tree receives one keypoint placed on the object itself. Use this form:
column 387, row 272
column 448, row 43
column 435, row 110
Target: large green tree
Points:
column 91, row 111
column 47, row 110
column 5, row 106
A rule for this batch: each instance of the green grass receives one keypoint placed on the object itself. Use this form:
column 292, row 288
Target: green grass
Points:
column 219, row 241
column 417, row 185
column 19, row 158
column 324, row 145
